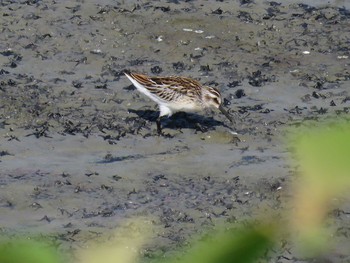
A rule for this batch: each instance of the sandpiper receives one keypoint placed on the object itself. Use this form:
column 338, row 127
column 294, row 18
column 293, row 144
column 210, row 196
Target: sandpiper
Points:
column 174, row 94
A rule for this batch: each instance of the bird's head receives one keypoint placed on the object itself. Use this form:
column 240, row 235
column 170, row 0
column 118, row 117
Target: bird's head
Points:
column 211, row 98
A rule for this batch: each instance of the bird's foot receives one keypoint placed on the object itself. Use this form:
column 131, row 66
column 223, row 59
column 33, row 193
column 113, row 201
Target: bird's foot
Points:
column 201, row 128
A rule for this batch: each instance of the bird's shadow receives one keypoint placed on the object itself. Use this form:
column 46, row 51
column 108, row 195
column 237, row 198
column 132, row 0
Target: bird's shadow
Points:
column 180, row 120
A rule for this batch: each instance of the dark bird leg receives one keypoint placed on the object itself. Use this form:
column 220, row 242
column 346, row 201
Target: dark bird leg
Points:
column 159, row 126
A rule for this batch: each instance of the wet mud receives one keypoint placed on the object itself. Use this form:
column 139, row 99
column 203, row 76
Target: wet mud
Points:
column 79, row 150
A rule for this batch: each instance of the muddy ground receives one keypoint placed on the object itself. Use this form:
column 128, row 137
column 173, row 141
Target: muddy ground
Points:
column 79, row 152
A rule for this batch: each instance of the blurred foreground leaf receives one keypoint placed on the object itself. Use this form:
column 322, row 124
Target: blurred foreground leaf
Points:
column 27, row 251
column 324, row 155
column 324, row 158
column 123, row 245
column 239, row 246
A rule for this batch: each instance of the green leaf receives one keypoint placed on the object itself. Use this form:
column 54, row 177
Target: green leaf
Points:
column 243, row 245
column 27, row 251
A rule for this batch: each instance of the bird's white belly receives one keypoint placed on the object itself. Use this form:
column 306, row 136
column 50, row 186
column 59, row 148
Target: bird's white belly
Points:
column 176, row 107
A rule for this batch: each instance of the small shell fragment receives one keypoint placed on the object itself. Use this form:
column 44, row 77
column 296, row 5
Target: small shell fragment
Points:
column 191, row 30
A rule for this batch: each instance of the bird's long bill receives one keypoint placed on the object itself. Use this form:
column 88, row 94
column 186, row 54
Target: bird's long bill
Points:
column 228, row 116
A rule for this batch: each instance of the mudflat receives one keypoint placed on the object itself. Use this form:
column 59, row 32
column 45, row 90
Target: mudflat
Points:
column 79, row 151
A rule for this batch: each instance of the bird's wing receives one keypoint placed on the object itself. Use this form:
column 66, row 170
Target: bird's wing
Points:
column 169, row 88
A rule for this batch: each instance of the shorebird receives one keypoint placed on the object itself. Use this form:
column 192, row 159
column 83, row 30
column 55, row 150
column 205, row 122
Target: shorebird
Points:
column 173, row 94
